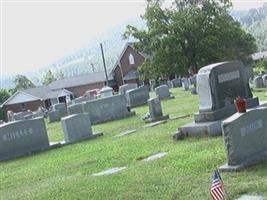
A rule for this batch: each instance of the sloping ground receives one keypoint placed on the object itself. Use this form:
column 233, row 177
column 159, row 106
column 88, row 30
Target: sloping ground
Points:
column 184, row 173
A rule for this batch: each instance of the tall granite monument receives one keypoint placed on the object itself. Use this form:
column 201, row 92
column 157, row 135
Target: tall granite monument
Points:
column 218, row 85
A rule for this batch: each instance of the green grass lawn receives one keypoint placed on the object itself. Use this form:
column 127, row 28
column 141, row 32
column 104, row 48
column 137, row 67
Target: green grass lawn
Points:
column 185, row 173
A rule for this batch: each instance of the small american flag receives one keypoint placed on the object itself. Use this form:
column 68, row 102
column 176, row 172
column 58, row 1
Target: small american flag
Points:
column 217, row 191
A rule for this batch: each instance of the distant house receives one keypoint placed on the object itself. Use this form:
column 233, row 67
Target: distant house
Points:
column 33, row 98
column 125, row 69
column 78, row 85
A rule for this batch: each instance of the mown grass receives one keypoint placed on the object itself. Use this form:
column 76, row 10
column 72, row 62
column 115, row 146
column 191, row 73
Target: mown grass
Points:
column 185, row 173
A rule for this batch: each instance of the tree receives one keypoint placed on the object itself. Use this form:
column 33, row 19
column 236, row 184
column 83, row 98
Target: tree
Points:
column 48, row 78
column 4, row 95
column 22, row 83
column 189, row 35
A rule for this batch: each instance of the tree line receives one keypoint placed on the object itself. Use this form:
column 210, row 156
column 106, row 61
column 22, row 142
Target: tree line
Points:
column 188, row 35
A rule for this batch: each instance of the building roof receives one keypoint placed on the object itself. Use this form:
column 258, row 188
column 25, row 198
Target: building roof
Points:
column 37, row 93
column 259, row 55
column 84, row 79
column 128, row 44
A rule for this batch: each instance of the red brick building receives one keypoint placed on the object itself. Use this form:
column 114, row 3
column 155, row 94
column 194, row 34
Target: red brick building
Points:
column 125, row 69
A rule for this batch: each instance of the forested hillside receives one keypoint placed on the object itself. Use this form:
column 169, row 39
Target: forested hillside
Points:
column 255, row 22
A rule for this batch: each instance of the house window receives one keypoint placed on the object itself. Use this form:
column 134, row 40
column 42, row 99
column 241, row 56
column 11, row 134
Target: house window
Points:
column 131, row 59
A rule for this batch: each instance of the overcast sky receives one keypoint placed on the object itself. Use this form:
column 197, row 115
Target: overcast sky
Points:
column 35, row 34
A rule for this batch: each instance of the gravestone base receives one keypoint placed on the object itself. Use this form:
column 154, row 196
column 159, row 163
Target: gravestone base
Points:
column 223, row 112
column 200, row 129
column 89, row 137
column 250, row 197
column 149, row 120
column 253, row 161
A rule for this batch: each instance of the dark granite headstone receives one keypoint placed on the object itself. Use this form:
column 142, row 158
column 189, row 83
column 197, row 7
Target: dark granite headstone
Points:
column 245, row 138
column 138, row 96
column 22, row 137
column 217, row 86
column 176, row 82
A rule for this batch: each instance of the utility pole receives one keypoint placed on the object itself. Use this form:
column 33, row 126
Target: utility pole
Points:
column 104, row 63
column 93, row 67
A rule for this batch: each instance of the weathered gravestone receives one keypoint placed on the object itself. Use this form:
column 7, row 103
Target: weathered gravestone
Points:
column 77, row 127
column 155, row 111
column 61, row 108
column 185, row 83
column 76, row 108
column 53, row 116
column 21, row 115
column 169, row 83
column 29, row 116
column 106, row 92
column 245, row 138
column 258, row 82
column 37, row 113
column 19, row 138
column 217, row 86
column 124, row 88
column 137, row 97
column 83, row 99
column 264, row 78
column 176, row 82
column 106, row 109
column 163, row 92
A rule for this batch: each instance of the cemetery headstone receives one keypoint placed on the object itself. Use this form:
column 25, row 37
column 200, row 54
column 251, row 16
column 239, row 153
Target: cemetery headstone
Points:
column 53, row 116
column 38, row 113
column 106, row 92
column 185, row 83
column 259, row 82
column 155, row 111
column 124, row 88
column 106, row 109
column 29, row 116
column 137, row 97
column 1, row 122
column 76, row 108
column 169, row 83
column 22, row 137
column 10, row 116
column 245, row 138
column 61, row 108
column 21, row 115
column 176, row 82
column 218, row 85
column 77, row 127
column 163, row 92
column 264, row 78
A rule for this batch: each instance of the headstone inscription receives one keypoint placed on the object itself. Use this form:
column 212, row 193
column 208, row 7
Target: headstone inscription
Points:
column 218, row 85
column 137, row 97
column 77, row 127
column 245, row 138
column 106, row 109
column 22, row 137
column 163, row 92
